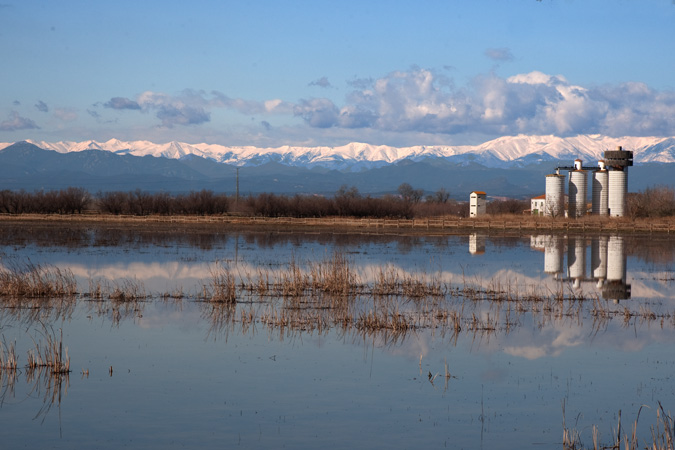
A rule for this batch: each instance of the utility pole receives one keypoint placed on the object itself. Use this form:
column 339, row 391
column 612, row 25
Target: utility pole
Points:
column 236, row 199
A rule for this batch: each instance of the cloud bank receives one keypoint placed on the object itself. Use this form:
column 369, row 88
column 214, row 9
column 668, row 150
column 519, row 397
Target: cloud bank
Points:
column 15, row 122
column 422, row 101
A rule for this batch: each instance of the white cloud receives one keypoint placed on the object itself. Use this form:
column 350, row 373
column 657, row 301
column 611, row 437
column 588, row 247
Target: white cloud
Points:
column 421, row 102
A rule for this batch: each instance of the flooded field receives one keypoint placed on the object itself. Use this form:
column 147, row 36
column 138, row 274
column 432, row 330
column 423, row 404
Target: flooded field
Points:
column 204, row 338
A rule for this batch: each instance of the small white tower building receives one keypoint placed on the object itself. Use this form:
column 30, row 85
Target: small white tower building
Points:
column 477, row 204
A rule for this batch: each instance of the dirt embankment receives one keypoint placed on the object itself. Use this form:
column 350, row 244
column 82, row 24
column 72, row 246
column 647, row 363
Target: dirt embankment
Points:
column 431, row 225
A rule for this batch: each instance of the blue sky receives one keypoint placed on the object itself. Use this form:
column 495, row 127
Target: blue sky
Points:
column 272, row 73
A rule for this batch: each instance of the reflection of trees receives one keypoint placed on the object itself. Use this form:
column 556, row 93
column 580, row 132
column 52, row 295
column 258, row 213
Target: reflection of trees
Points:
column 31, row 311
column 651, row 249
column 50, row 386
column 77, row 235
column 656, row 249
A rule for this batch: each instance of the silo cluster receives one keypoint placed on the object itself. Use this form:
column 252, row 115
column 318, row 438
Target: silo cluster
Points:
column 608, row 190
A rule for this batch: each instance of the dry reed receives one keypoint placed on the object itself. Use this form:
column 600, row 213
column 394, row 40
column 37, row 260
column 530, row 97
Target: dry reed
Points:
column 35, row 280
column 8, row 359
column 51, row 354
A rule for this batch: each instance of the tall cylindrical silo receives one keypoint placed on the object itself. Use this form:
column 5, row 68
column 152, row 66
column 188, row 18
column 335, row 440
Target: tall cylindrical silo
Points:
column 577, row 193
column 555, row 195
column 618, row 186
column 600, row 192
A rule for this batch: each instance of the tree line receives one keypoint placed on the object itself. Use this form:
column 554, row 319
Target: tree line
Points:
column 657, row 201
column 72, row 200
column 347, row 201
column 407, row 202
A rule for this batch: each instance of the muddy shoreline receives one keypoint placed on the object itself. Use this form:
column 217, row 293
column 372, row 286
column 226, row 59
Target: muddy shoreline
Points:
column 509, row 225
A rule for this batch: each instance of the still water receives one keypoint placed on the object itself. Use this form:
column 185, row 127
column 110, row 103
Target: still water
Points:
column 587, row 322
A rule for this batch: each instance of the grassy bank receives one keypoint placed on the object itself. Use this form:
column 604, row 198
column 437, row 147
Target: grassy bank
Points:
column 435, row 225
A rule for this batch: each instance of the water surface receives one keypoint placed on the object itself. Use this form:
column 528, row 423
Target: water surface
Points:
column 593, row 329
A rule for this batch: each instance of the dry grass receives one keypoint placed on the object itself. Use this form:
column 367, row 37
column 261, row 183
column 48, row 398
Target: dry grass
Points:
column 662, row 434
column 51, row 354
column 35, row 280
column 317, row 295
column 331, row 293
column 222, row 287
column 127, row 290
column 8, row 359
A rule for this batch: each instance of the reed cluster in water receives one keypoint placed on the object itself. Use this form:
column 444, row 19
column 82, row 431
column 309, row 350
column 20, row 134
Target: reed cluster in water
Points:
column 34, row 280
column 322, row 294
column 662, row 434
column 50, row 355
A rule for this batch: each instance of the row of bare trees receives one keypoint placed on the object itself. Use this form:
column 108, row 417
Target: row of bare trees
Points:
column 141, row 203
column 658, row 201
column 65, row 201
column 347, row 202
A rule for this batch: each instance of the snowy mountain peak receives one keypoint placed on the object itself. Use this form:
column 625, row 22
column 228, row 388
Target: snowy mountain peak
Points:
column 500, row 152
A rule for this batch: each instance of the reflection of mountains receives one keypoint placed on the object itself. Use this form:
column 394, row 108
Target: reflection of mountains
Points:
column 607, row 262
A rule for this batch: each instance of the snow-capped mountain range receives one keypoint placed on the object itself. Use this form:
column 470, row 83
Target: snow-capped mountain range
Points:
column 503, row 152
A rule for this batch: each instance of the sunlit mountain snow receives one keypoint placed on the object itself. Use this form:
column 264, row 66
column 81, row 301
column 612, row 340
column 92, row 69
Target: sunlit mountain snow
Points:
column 500, row 152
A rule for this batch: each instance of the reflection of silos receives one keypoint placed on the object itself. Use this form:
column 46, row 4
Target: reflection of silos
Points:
column 616, row 263
column 599, row 257
column 600, row 191
column 577, row 193
column 555, row 195
column 618, row 183
column 553, row 254
column 576, row 258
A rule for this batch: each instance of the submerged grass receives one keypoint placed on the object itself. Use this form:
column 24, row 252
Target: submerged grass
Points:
column 8, row 359
column 331, row 292
column 35, row 280
column 51, row 354
column 662, row 436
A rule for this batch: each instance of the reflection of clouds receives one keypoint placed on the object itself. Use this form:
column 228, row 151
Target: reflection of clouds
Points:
column 413, row 347
column 161, row 274
column 563, row 339
column 143, row 271
column 568, row 338
column 162, row 315
column 653, row 285
column 527, row 351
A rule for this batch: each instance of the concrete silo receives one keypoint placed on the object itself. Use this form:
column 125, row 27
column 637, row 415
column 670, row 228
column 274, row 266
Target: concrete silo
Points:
column 555, row 195
column 618, row 186
column 619, row 160
column 600, row 190
column 578, row 187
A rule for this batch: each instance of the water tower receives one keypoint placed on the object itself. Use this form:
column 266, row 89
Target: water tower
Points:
column 619, row 160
